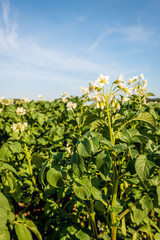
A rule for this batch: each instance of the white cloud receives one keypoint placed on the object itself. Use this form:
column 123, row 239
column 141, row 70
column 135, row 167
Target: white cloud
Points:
column 27, row 52
column 136, row 33
column 8, row 30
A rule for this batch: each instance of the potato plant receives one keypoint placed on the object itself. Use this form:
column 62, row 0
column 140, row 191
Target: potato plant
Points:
column 81, row 167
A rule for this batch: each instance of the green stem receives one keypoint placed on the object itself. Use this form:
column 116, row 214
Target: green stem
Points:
column 92, row 218
column 114, row 198
column 28, row 156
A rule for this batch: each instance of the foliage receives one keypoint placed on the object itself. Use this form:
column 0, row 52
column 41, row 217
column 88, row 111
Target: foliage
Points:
column 93, row 167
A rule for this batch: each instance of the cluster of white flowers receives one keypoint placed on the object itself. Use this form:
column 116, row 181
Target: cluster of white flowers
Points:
column 20, row 111
column 6, row 101
column 19, row 127
column 96, row 93
column 139, row 85
column 22, row 100
column 70, row 106
column 93, row 92
column 64, row 96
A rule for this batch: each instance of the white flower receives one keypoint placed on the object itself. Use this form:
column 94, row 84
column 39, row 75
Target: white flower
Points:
column 19, row 127
column 124, row 99
column 5, row 101
column 97, row 105
column 91, row 86
column 130, row 81
column 102, row 81
column 144, row 83
column 129, row 91
column 96, row 98
column 64, row 99
column 20, row 111
column 122, row 85
column 40, row 96
column 135, row 78
column 25, row 100
column 14, row 127
column 64, row 95
column 25, row 124
column 118, row 106
column 84, row 90
column 1, row 99
column 120, row 79
column 70, row 106
column 142, row 76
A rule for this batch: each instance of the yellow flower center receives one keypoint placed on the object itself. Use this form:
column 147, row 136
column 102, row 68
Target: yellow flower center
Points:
column 102, row 81
column 91, row 87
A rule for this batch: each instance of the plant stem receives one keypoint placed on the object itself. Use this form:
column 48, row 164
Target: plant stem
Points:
column 92, row 217
column 28, row 156
column 114, row 198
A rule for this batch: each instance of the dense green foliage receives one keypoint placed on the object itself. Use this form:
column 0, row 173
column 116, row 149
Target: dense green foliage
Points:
column 63, row 177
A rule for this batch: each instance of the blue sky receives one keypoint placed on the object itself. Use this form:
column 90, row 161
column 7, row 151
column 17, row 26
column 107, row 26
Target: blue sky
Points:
column 48, row 47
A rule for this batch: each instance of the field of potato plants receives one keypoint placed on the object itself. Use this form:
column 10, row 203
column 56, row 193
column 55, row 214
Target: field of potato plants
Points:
column 81, row 168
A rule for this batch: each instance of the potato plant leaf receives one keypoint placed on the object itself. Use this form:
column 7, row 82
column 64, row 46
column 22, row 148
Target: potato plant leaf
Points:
column 15, row 147
column 143, row 166
column 104, row 162
column 54, row 178
column 84, row 148
column 23, row 232
column 4, row 210
column 146, row 117
column 82, row 188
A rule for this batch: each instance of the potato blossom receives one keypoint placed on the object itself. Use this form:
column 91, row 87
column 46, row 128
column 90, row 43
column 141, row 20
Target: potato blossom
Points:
column 20, row 111
column 102, row 80
column 19, row 127
column 70, row 106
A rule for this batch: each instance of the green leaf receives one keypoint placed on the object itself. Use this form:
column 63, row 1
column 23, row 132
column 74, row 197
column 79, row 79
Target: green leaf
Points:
column 77, row 164
column 15, row 147
column 149, row 94
column 146, row 203
column 138, row 215
column 4, row 153
column 5, row 235
column 82, row 188
column 4, row 211
column 37, row 160
column 100, row 207
column 119, row 148
column 97, row 194
column 123, row 226
column 54, row 178
column 146, row 117
column 157, row 236
column 104, row 162
column 94, row 144
column 9, row 167
column 42, row 172
column 96, row 125
column 82, row 235
column 34, row 229
column 84, row 148
column 152, row 223
column 143, row 167
column 22, row 232
column 41, row 118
